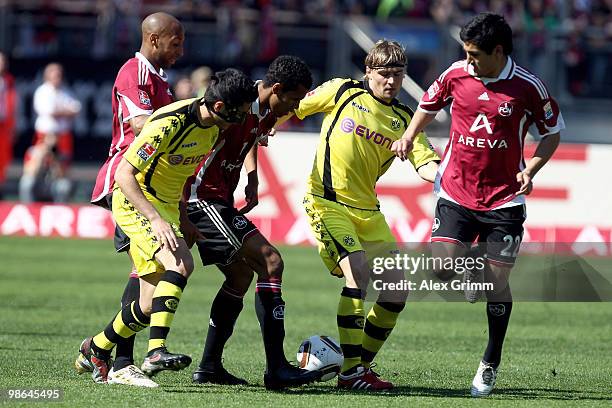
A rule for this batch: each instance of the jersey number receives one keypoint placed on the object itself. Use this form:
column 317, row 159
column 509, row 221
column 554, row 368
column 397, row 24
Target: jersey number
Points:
column 507, row 251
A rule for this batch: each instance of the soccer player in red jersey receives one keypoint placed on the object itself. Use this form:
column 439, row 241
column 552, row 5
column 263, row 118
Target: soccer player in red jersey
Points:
column 483, row 178
column 140, row 88
column 233, row 243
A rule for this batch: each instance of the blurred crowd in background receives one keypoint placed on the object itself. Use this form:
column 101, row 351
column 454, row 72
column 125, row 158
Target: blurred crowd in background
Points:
column 567, row 42
column 247, row 31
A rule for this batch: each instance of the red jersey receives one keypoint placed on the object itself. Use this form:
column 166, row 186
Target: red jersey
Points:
column 490, row 118
column 217, row 177
column 138, row 90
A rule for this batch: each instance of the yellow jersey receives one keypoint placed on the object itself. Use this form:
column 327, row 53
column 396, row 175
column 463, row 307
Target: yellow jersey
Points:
column 355, row 143
column 169, row 148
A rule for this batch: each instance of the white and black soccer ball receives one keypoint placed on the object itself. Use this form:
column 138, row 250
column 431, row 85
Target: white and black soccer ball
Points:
column 321, row 353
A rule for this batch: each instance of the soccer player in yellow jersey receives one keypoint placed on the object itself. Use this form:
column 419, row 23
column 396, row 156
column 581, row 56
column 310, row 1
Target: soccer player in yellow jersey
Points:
column 148, row 187
column 362, row 120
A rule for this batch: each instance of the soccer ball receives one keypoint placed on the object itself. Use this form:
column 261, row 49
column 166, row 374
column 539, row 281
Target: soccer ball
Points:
column 321, row 353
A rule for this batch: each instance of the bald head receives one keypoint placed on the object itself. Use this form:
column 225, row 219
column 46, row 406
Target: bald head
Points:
column 162, row 39
column 160, row 24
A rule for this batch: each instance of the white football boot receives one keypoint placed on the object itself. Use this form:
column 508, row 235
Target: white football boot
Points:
column 484, row 380
column 130, row 375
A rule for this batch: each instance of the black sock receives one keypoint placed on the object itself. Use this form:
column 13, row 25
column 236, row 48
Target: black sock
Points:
column 223, row 315
column 498, row 315
column 124, row 354
column 270, row 309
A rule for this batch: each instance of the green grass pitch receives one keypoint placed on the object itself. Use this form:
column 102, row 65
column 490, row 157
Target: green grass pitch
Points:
column 55, row 292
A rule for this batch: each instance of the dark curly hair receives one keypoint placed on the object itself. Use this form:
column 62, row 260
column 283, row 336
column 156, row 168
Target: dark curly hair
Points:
column 487, row 30
column 232, row 87
column 290, row 71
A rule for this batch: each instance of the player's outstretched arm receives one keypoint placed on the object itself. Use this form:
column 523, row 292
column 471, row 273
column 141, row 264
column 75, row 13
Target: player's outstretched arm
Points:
column 125, row 176
column 546, row 148
column 419, row 121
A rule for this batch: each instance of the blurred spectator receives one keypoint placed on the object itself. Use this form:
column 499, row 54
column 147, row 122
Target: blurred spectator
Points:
column 394, row 8
column 56, row 109
column 44, row 174
column 598, row 38
column 183, row 89
column 576, row 65
column 539, row 21
column 7, row 118
column 200, row 78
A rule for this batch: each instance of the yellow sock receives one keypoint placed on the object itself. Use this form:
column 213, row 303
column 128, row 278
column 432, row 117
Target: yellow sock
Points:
column 165, row 302
column 380, row 322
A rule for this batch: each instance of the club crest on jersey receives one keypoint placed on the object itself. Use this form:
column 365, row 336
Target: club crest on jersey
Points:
column 146, row 151
column 239, row 222
column 395, row 124
column 175, row 159
column 505, row 109
column 144, row 98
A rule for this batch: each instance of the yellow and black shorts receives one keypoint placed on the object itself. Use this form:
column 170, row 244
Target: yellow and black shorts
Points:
column 341, row 230
column 143, row 242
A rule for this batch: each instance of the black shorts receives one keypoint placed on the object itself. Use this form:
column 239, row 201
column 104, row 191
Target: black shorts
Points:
column 224, row 230
column 500, row 231
column 121, row 240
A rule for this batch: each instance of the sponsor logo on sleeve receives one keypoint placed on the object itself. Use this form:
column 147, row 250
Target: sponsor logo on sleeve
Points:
column 433, row 90
column 146, row 151
column 548, row 112
column 144, row 98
